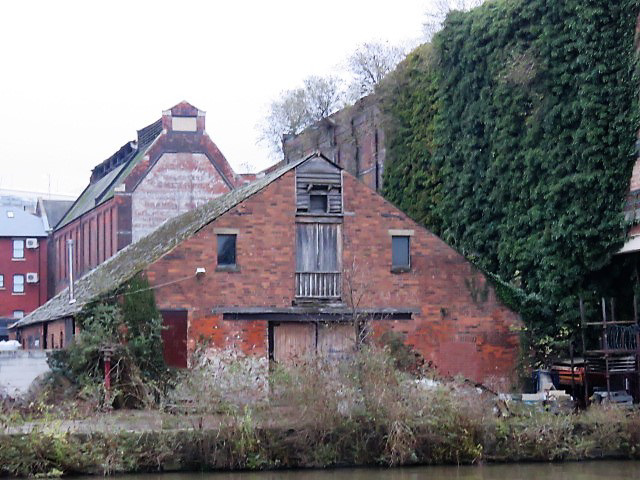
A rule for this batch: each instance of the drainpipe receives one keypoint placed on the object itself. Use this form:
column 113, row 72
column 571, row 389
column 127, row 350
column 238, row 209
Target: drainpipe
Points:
column 72, row 298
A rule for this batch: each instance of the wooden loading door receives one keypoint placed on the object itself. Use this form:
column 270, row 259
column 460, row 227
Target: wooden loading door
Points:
column 174, row 338
column 293, row 342
column 336, row 341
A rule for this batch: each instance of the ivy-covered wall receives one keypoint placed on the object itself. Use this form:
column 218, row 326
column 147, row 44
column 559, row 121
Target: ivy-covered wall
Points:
column 512, row 136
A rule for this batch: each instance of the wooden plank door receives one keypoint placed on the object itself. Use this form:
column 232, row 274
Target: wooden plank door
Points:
column 174, row 337
column 293, row 342
column 336, row 341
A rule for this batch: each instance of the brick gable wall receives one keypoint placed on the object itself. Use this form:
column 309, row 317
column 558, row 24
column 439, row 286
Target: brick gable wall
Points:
column 177, row 183
column 461, row 327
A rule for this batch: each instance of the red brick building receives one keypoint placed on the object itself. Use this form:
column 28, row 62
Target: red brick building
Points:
column 23, row 263
column 284, row 266
column 352, row 138
column 172, row 167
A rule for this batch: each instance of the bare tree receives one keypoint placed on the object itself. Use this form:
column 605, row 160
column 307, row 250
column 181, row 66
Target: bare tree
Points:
column 358, row 288
column 369, row 64
column 287, row 116
column 437, row 13
column 297, row 109
column 323, row 96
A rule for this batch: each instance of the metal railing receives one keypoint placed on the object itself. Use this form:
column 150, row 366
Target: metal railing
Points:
column 318, row 284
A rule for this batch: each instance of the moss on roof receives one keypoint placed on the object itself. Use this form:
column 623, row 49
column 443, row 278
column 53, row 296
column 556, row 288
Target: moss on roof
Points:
column 87, row 199
column 104, row 189
column 131, row 260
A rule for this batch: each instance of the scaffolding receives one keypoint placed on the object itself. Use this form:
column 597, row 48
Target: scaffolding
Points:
column 619, row 352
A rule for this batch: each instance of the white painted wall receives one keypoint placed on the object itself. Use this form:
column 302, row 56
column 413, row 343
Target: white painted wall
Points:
column 177, row 183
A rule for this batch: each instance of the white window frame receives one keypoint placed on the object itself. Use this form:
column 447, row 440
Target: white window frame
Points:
column 17, row 241
column 18, row 275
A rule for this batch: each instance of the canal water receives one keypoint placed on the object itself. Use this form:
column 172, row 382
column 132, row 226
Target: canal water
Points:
column 609, row 470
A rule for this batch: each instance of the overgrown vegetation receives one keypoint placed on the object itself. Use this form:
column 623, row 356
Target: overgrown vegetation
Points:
column 512, row 137
column 362, row 411
column 128, row 324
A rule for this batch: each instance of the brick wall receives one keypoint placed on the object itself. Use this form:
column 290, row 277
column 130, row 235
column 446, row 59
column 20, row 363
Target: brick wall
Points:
column 265, row 276
column 57, row 334
column 96, row 237
column 353, row 138
column 179, row 171
column 31, row 337
column 34, row 261
column 461, row 327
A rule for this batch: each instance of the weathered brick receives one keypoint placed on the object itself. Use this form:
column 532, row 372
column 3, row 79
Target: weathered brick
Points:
column 453, row 331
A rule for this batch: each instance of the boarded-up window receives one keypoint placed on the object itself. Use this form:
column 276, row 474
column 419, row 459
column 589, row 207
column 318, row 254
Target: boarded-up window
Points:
column 184, row 124
column 317, row 247
column 400, row 252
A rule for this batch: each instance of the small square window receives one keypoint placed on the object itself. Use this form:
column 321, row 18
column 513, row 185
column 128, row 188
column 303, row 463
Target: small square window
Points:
column 400, row 252
column 18, row 313
column 18, row 249
column 18, row 284
column 318, row 203
column 226, row 250
column 1, row 281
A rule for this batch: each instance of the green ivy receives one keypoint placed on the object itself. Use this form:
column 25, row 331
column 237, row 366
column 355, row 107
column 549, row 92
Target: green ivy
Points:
column 512, row 137
column 127, row 322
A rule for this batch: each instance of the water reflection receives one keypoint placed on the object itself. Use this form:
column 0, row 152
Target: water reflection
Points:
column 620, row 470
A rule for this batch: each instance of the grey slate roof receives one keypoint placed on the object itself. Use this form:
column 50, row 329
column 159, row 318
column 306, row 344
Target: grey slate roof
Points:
column 111, row 172
column 15, row 222
column 54, row 210
column 87, row 199
column 135, row 257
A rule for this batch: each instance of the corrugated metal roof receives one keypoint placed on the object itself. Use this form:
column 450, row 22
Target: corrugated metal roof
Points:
column 135, row 257
column 15, row 222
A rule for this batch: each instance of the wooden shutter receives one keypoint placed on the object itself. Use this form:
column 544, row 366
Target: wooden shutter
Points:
column 317, row 247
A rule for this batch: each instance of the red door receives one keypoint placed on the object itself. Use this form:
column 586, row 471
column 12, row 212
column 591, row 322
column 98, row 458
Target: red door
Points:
column 174, row 337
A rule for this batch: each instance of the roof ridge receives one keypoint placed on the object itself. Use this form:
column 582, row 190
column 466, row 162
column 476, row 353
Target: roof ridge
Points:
column 136, row 256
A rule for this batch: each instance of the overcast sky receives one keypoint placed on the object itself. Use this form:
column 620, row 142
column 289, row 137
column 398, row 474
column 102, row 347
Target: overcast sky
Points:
column 77, row 79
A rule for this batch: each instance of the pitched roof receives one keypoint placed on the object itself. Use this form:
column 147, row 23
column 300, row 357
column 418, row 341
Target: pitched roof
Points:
column 91, row 195
column 108, row 173
column 16, row 222
column 135, row 257
column 53, row 211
